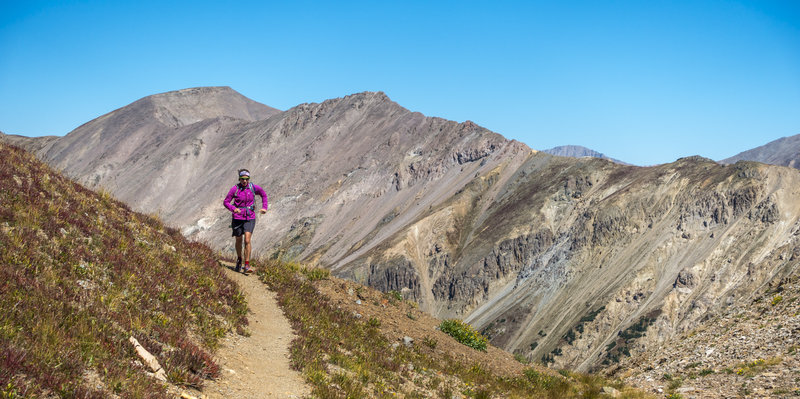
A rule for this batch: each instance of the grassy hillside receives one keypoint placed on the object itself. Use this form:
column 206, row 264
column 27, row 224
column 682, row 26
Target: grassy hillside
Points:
column 80, row 274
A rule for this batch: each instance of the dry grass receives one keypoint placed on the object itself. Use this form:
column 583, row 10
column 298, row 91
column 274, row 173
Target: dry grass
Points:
column 80, row 273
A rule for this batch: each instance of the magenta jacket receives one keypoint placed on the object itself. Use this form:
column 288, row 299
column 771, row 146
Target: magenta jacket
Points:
column 245, row 201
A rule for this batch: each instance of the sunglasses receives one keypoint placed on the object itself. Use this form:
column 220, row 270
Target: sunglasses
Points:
column 244, row 178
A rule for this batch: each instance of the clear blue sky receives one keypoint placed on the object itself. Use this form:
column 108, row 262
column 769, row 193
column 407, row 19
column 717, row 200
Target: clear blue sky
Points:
column 643, row 81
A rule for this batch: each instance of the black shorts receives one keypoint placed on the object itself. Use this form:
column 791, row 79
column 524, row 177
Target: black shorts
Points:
column 240, row 226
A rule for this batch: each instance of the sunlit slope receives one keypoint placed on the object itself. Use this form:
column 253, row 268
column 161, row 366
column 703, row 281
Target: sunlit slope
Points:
column 80, row 274
column 567, row 256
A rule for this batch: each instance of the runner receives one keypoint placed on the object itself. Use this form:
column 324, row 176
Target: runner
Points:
column 241, row 200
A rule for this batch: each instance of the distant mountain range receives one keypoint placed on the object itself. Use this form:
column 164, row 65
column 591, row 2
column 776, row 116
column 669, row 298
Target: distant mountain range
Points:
column 577, row 262
column 784, row 151
column 576, row 151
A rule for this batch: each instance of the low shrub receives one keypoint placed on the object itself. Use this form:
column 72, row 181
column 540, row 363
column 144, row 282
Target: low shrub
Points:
column 705, row 372
column 430, row 342
column 394, row 296
column 464, row 333
column 315, row 273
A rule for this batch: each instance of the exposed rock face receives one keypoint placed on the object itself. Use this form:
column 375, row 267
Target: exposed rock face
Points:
column 784, row 151
column 579, row 262
column 396, row 274
column 505, row 260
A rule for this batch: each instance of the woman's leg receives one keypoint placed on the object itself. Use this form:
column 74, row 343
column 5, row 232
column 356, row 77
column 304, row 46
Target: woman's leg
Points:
column 247, row 246
column 239, row 246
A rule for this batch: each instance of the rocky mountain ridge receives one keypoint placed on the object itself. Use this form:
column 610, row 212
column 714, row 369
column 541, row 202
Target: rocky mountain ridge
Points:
column 31, row 144
column 784, row 151
column 555, row 258
column 577, row 151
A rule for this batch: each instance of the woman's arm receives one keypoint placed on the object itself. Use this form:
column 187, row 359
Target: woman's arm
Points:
column 264, row 200
column 228, row 198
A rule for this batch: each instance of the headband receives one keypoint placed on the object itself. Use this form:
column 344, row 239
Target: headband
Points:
column 244, row 173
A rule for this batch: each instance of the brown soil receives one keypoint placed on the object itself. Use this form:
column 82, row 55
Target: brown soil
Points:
column 257, row 366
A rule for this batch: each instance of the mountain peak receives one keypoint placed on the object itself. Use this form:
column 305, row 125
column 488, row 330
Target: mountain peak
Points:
column 368, row 98
column 366, row 101
column 192, row 105
column 194, row 91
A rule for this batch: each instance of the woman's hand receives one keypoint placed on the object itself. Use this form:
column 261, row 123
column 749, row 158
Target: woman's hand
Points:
column 262, row 211
column 237, row 210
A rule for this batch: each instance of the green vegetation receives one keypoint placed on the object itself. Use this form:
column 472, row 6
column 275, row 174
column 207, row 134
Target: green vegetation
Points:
column 673, row 384
column 464, row 333
column 570, row 336
column 549, row 357
column 638, row 329
column 343, row 356
column 754, row 367
column 592, row 315
column 575, row 331
column 317, row 274
column 394, row 297
column 80, row 274
column 620, row 347
column 521, row 358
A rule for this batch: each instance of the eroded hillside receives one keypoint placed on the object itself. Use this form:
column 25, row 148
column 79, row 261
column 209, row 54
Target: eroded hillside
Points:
column 565, row 256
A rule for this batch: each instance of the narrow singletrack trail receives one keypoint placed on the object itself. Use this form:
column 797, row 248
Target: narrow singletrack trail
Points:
column 257, row 366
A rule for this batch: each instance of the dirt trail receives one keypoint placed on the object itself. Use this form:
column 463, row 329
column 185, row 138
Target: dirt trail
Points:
column 257, row 366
